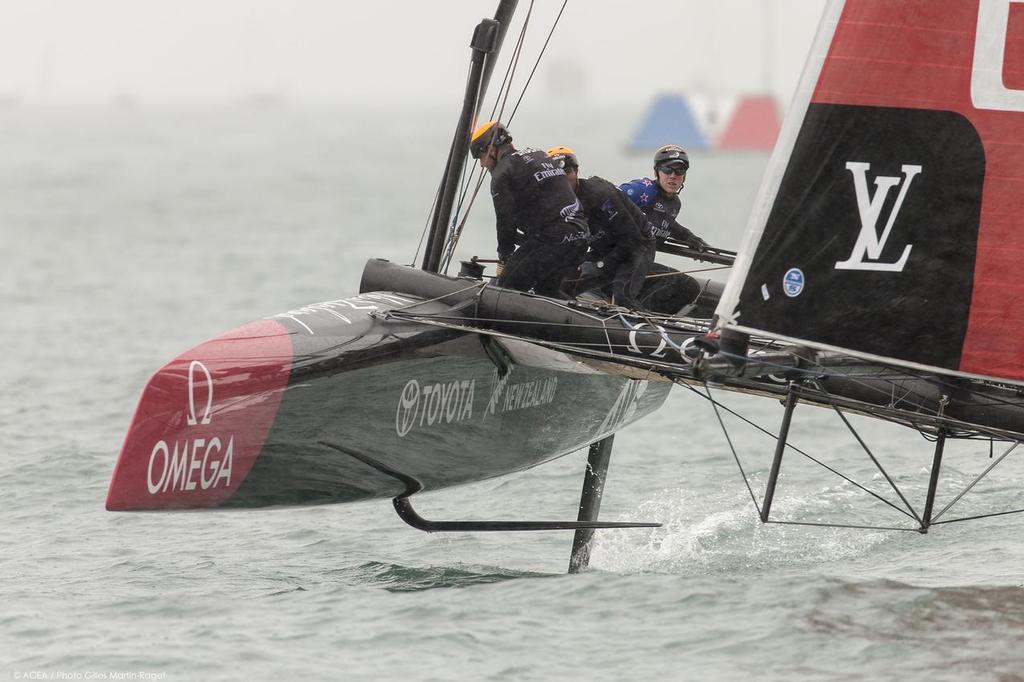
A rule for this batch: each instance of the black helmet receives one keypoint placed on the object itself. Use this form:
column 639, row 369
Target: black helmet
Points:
column 671, row 155
column 486, row 135
column 563, row 157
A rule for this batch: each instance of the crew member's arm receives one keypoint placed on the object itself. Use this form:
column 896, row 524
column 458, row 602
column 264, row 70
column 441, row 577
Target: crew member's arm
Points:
column 685, row 236
column 627, row 224
column 504, row 211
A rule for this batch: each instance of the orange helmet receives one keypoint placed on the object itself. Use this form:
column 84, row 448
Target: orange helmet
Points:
column 564, row 157
column 491, row 133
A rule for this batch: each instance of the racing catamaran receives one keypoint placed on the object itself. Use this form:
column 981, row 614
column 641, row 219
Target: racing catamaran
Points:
column 402, row 388
column 876, row 277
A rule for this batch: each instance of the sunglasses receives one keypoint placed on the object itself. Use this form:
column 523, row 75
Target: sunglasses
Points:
column 673, row 170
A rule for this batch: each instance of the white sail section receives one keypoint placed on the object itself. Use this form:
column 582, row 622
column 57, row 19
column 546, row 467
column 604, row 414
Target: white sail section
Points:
column 726, row 312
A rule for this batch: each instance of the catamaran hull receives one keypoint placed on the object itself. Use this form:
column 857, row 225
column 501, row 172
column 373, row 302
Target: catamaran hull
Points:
column 333, row 403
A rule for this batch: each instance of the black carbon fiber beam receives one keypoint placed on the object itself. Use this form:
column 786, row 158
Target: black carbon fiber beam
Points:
column 403, row 506
column 933, row 481
column 780, row 448
column 590, row 502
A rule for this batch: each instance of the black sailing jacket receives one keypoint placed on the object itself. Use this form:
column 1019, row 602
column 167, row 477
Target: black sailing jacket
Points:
column 529, row 193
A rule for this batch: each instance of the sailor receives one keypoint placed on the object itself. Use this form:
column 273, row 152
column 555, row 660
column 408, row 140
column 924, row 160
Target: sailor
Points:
column 666, row 290
column 620, row 252
column 536, row 208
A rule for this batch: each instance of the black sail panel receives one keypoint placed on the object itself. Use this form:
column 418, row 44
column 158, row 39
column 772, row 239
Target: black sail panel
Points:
column 871, row 241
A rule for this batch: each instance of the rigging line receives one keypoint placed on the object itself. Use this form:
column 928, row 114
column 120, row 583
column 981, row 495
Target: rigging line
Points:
column 922, row 409
column 426, row 224
column 440, row 186
column 467, row 180
column 667, row 368
column 453, row 240
column 514, row 64
column 864, row 445
column 808, row 456
column 979, row 516
column 537, row 63
column 975, row 481
column 903, row 374
column 712, row 269
column 956, row 384
column 465, row 186
column 646, row 349
column 815, row 370
column 606, row 316
column 735, row 455
column 936, row 380
column 506, row 86
column 405, row 308
column 506, row 82
column 454, row 233
column 469, row 177
column 444, row 316
column 841, row 525
column 640, row 363
column 810, row 373
column 686, row 272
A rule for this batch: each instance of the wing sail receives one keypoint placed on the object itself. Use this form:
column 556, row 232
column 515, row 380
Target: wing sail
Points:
column 891, row 222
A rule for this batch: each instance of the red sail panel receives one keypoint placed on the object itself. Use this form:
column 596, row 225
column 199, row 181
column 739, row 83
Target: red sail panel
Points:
column 898, row 226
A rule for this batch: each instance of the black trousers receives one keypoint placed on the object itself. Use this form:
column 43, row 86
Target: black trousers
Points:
column 668, row 290
column 622, row 271
column 546, row 259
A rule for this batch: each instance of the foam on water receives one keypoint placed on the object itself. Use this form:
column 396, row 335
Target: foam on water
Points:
column 725, row 535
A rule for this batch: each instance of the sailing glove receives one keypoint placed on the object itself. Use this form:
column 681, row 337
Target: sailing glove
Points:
column 696, row 242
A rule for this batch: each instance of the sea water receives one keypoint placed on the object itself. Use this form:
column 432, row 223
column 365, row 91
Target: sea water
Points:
column 128, row 236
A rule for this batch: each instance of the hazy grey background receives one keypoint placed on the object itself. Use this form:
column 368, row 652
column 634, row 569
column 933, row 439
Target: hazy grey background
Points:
column 149, row 52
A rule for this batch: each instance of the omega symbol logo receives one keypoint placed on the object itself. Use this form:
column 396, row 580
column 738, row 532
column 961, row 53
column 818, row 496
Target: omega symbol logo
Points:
column 193, row 385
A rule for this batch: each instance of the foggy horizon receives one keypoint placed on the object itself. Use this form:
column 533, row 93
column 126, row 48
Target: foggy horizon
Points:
column 266, row 53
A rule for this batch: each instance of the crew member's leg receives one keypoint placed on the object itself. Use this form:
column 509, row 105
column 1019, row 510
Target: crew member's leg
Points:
column 561, row 262
column 544, row 260
column 667, row 291
column 629, row 274
column 521, row 271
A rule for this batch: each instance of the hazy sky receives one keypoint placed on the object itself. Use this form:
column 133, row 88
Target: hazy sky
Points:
column 158, row 51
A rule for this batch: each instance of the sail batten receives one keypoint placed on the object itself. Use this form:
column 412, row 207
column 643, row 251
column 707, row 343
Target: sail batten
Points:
column 895, row 228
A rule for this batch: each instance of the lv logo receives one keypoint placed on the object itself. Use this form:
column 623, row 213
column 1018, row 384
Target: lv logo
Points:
column 868, row 249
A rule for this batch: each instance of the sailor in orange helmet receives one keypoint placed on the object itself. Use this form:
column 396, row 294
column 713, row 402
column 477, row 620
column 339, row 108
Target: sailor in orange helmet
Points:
column 620, row 252
column 535, row 207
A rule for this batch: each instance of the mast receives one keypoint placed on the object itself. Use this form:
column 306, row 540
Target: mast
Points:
column 486, row 44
